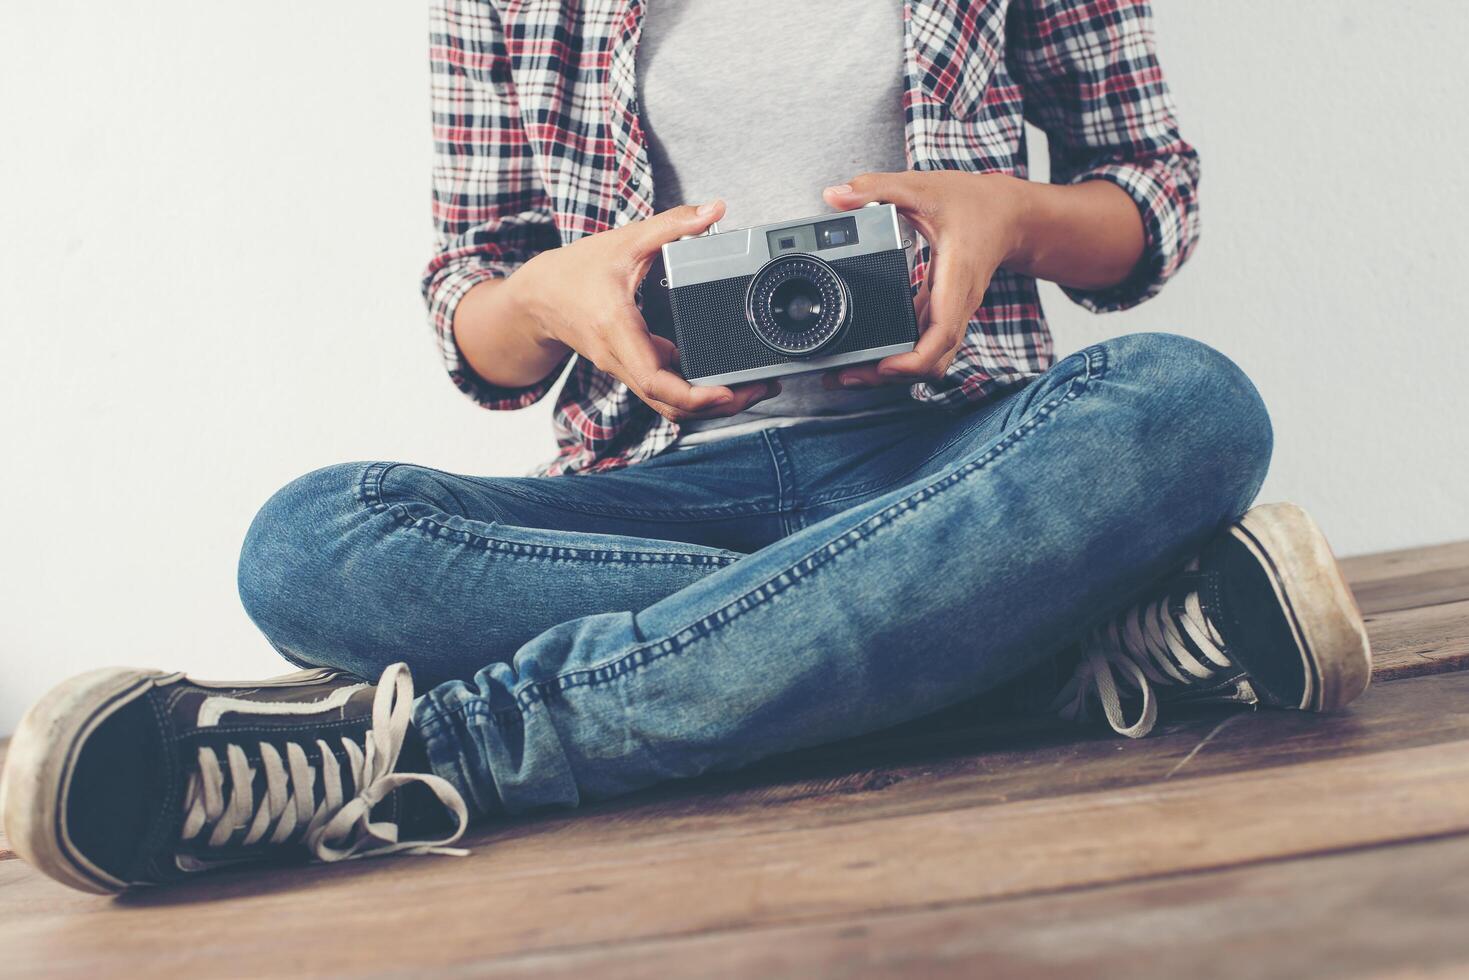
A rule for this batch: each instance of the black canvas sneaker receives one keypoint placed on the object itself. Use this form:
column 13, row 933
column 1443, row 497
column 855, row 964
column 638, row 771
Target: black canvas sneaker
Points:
column 123, row 777
column 1262, row 616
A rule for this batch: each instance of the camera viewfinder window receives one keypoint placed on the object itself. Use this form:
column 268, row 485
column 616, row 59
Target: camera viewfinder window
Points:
column 836, row 233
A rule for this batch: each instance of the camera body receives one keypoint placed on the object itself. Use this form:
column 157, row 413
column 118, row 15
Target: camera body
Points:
column 788, row 297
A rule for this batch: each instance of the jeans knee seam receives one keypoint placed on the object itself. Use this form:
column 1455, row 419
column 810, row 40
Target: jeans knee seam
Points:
column 675, row 514
column 819, row 557
column 370, row 494
column 437, row 530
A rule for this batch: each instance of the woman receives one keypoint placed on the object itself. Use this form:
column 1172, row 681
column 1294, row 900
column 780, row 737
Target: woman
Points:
column 735, row 571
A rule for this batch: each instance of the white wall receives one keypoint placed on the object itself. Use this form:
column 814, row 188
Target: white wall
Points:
column 212, row 218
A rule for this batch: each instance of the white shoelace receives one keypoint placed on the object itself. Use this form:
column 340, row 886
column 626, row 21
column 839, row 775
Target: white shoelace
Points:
column 1141, row 648
column 337, row 828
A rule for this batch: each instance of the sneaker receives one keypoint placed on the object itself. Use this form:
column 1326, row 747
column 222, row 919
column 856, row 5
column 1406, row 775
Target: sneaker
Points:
column 1261, row 616
column 127, row 777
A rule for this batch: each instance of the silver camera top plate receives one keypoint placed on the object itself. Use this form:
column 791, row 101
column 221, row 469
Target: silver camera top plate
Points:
column 741, row 252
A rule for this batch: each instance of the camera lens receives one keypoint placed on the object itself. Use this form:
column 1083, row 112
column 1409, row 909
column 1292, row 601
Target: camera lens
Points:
column 794, row 302
column 797, row 305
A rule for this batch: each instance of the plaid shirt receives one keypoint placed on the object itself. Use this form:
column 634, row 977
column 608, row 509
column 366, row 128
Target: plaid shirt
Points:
column 538, row 143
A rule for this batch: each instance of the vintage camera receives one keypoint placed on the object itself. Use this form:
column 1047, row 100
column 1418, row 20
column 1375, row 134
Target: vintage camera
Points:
column 787, row 298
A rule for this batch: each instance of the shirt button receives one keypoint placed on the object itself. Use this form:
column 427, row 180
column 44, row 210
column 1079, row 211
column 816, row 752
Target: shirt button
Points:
column 634, row 183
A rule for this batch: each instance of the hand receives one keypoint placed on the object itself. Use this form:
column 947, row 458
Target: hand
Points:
column 582, row 296
column 972, row 224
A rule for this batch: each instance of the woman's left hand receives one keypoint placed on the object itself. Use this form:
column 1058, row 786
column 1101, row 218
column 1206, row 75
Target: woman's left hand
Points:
column 972, row 223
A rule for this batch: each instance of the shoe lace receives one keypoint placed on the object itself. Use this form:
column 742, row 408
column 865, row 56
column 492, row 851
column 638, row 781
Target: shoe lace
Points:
column 221, row 800
column 1164, row 642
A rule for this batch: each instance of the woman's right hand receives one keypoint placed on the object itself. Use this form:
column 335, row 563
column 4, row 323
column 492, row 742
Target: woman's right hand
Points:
column 581, row 296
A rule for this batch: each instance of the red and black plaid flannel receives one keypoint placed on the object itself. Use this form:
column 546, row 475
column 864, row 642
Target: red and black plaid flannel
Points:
column 538, row 143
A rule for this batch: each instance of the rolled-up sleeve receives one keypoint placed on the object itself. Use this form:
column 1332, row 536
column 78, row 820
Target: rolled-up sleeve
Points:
column 490, row 208
column 1090, row 78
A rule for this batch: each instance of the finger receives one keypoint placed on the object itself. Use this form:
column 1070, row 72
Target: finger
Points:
column 928, row 360
column 866, row 375
column 857, row 376
column 955, row 289
column 904, row 189
column 664, row 350
column 667, row 387
column 930, row 357
column 645, row 370
column 746, row 396
column 910, row 191
column 651, row 234
column 670, row 412
column 951, row 302
column 755, row 392
column 920, row 305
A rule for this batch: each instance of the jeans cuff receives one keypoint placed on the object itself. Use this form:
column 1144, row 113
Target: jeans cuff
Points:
column 444, row 734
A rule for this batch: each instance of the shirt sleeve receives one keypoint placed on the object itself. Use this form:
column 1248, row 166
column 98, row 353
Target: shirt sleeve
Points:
column 491, row 211
column 1090, row 78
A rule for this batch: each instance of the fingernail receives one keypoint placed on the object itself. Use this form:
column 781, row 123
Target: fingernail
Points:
column 705, row 210
column 840, row 188
column 851, row 381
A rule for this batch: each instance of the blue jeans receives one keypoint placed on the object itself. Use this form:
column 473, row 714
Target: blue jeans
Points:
column 587, row 636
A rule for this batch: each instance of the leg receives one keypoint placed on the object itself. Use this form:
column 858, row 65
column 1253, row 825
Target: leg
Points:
column 1019, row 523
column 1029, row 523
column 362, row 565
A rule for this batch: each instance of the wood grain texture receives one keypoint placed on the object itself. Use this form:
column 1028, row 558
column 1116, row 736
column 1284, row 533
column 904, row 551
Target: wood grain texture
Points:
column 533, row 896
column 1410, row 578
column 1383, row 910
column 958, row 762
column 625, row 874
column 1425, row 640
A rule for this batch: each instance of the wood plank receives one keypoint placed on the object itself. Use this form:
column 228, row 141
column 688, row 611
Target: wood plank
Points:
column 954, row 761
column 1426, row 640
column 962, row 758
column 1412, row 577
column 553, row 891
column 1346, row 914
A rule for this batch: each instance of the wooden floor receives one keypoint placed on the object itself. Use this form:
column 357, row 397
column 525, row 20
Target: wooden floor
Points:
column 1230, row 843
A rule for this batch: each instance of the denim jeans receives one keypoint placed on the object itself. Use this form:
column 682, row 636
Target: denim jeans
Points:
column 585, row 636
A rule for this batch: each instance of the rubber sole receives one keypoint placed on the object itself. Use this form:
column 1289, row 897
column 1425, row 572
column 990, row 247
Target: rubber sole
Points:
column 38, row 768
column 1318, row 602
column 43, row 754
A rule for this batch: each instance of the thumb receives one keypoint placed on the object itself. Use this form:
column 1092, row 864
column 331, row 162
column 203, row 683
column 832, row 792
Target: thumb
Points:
column 900, row 189
column 671, row 225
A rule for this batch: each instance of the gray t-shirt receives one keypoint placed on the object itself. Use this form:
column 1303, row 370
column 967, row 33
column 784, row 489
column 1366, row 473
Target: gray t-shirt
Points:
column 764, row 103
